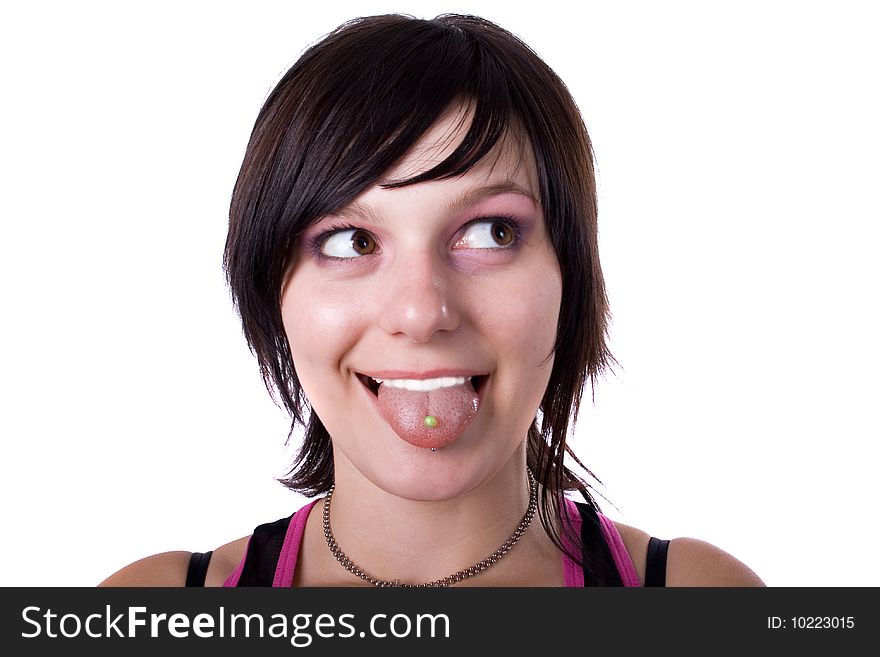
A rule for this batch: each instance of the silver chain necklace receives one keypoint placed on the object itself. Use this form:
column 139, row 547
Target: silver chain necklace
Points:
column 478, row 567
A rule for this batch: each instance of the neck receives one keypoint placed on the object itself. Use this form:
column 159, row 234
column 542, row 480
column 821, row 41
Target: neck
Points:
column 391, row 536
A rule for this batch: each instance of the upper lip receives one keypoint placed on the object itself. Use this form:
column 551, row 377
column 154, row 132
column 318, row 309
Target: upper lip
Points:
column 421, row 374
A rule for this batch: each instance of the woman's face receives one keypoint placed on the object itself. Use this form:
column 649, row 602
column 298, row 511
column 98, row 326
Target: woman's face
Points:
column 451, row 285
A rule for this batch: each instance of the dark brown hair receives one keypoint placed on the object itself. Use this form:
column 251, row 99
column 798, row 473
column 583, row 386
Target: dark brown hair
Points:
column 345, row 112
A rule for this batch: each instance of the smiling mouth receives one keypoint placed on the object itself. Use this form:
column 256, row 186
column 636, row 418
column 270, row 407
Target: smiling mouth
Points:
column 421, row 385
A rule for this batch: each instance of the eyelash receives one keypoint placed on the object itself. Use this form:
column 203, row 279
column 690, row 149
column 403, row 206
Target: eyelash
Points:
column 510, row 222
column 317, row 243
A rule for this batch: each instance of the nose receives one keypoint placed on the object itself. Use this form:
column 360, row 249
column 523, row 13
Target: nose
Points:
column 419, row 300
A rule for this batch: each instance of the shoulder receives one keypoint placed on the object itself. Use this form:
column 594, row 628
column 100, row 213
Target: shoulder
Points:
column 169, row 568
column 692, row 562
column 225, row 560
column 689, row 561
column 165, row 569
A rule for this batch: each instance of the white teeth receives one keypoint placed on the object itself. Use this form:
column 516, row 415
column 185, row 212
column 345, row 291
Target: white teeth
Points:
column 423, row 385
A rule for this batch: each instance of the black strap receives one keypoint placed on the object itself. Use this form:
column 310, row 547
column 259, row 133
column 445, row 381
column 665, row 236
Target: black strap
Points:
column 263, row 552
column 655, row 566
column 198, row 568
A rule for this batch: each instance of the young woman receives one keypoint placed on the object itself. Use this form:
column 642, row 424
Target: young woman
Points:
column 412, row 250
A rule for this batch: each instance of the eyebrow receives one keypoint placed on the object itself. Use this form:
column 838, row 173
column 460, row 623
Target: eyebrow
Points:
column 358, row 210
column 473, row 196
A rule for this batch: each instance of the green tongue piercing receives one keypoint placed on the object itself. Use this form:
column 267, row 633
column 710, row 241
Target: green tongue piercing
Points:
column 431, row 422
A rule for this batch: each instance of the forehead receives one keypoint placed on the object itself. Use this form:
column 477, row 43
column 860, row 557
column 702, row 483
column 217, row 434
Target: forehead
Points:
column 510, row 163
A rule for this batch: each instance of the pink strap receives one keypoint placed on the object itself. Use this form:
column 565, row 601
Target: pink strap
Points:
column 286, row 567
column 618, row 552
column 290, row 550
column 573, row 574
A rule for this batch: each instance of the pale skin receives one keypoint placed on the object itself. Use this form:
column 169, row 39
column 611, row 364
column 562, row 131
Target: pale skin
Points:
column 422, row 281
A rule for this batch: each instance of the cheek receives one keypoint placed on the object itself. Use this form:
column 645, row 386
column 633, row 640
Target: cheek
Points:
column 525, row 316
column 321, row 324
column 523, row 323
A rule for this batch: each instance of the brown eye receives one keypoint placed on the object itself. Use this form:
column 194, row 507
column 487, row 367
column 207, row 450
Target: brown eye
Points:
column 348, row 243
column 363, row 242
column 488, row 234
column 502, row 233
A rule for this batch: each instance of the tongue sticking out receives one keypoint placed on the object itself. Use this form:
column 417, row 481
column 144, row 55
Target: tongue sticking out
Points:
column 406, row 410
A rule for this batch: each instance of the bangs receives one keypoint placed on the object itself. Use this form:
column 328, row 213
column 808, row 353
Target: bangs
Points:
column 361, row 114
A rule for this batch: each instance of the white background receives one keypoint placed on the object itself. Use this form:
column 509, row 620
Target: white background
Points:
column 738, row 158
